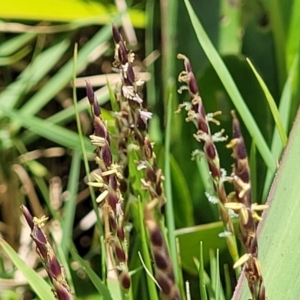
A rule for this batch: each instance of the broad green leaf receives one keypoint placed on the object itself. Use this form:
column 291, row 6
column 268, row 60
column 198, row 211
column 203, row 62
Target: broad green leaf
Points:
column 231, row 88
column 278, row 238
column 66, row 11
column 189, row 239
column 39, row 285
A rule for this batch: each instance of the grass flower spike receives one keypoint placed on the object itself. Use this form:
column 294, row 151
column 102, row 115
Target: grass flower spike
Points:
column 197, row 114
column 55, row 271
column 241, row 202
column 110, row 199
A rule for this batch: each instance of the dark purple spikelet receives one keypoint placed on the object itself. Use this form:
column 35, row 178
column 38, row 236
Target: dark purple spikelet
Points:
column 106, row 155
column 160, row 260
column 121, row 256
column 121, row 233
column 89, row 92
column 116, row 34
column 27, row 216
column 96, row 108
column 125, row 280
column 54, row 266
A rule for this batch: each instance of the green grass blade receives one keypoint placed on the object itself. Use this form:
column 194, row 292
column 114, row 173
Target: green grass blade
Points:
column 64, row 75
column 293, row 37
column 284, row 111
column 272, row 104
column 16, row 43
column 39, row 285
column 231, row 88
column 39, row 67
column 9, row 60
column 202, row 274
column 70, row 206
column 55, row 133
column 168, row 186
column 278, row 232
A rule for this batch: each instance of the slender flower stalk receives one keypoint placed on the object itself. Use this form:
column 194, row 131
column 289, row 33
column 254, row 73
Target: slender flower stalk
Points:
column 196, row 114
column 241, row 202
column 55, row 271
column 110, row 199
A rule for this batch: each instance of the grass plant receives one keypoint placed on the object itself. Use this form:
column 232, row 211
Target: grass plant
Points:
column 90, row 139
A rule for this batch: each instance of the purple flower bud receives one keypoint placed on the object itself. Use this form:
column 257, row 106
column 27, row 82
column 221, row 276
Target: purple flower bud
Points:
column 125, row 280
column 156, row 237
column 122, row 52
column 130, row 74
column 112, row 200
column 116, row 34
column 96, row 108
column 100, row 129
column 120, row 253
column 160, row 259
column 62, row 292
column 164, row 282
column 106, row 155
column 89, row 92
column 193, row 84
column 27, row 216
column 113, row 182
column 150, row 175
column 210, row 150
column 54, row 266
column 120, row 233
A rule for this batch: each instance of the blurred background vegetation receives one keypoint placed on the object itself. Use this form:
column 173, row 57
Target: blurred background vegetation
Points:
column 41, row 162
